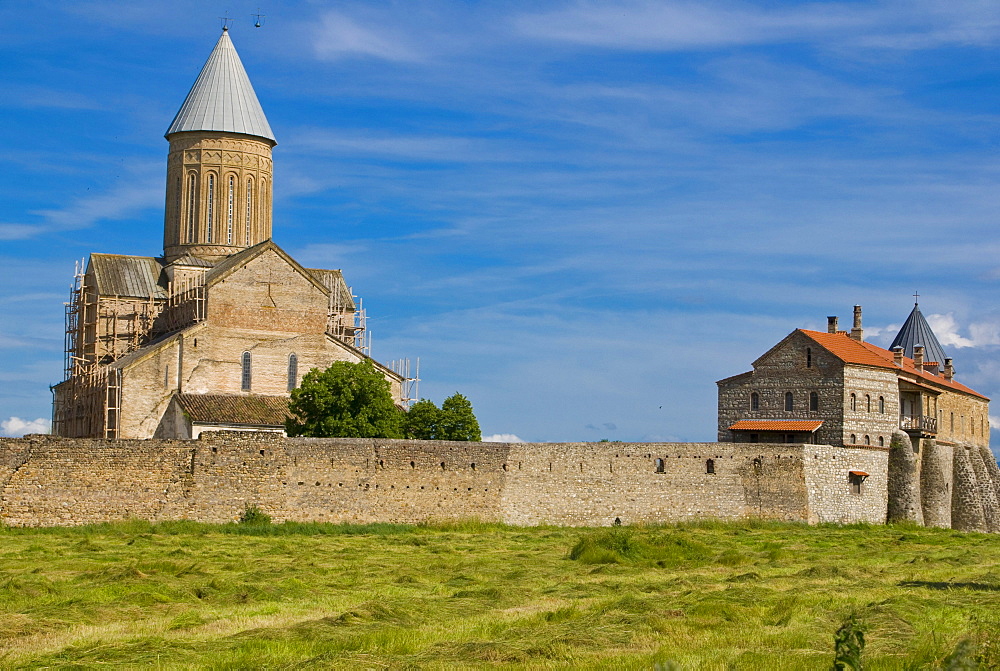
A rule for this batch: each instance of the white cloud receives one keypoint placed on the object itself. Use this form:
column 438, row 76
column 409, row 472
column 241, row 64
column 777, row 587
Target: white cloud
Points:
column 675, row 26
column 15, row 426
column 338, row 36
column 18, row 231
column 503, row 438
column 994, row 422
column 945, row 327
column 981, row 334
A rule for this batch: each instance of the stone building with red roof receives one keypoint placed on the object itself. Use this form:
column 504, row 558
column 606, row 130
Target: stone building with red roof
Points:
column 834, row 388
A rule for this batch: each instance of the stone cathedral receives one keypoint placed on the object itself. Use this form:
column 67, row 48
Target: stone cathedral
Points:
column 217, row 331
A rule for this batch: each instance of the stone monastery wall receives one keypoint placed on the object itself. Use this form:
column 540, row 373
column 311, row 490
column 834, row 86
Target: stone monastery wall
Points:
column 57, row 481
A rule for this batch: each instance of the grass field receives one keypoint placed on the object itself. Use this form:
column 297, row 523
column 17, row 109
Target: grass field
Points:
column 700, row 596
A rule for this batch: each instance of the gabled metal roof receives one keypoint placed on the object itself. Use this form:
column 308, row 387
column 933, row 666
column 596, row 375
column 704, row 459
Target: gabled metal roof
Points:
column 916, row 331
column 222, row 98
column 132, row 276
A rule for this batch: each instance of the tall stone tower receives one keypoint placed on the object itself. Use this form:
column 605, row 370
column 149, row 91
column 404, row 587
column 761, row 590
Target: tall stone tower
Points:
column 219, row 167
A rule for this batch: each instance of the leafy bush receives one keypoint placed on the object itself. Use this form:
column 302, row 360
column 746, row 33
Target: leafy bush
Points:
column 254, row 516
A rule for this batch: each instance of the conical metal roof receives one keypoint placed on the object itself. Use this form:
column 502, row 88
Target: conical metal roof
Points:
column 916, row 331
column 222, row 98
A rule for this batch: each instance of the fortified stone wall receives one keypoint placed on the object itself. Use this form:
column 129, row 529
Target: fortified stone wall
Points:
column 936, row 482
column 56, row 481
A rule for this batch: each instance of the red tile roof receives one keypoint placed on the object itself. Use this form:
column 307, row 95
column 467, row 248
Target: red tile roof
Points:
column 777, row 425
column 849, row 350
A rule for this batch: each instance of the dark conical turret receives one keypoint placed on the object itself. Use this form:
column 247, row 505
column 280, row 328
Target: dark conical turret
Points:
column 916, row 331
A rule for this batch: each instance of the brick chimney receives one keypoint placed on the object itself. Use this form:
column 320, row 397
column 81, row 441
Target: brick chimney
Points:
column 897, row 356
column 831, row 324
column 857, row 333
column 918, row 357
column 949, row 369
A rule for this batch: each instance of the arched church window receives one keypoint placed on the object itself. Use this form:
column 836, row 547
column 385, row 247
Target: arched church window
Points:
column 293, row 371
column 854, row 439
column 247, row 237
column 868, row 403
column 813, row 401
column 210, row 208
column 881, row 441
column 246, row 379
column 868, row 440
column 809, row 357
column 788, row 401
column 754, row 401
column 229, row 209
column 192, row 201
column 854, row 402
column 881, row 404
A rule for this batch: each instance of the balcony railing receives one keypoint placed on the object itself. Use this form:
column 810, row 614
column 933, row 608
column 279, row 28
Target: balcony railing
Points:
column 918, row 423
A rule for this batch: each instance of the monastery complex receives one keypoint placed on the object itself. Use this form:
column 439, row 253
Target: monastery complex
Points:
column 179, row 368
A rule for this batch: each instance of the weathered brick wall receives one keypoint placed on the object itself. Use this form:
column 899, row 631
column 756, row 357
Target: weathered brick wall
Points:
column 54, row 481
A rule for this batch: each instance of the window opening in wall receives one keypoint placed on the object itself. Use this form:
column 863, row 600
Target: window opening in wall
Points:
column 809, row 357
column 788, row 401
column 229, row 210
column 881, row 441
column 854, row 402
column 868, row 403
column 953, row 422
column 754, row 401
column 881, row 404
column 293, row 371
column 868, row 440
column 813, row 401
column 710, row 466
column 192, row 199
column 166, row 376
column 473, row 466
column 245, row 382
column 854, row 439
column 246, row 233
column 210, row 211
column 659, row 465
column 856, row 478
column 413, row 464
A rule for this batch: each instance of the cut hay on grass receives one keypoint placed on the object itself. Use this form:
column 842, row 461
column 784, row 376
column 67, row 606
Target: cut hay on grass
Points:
column 470, row 594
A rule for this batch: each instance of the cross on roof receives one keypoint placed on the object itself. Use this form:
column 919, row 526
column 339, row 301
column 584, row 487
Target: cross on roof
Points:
column 916, row 298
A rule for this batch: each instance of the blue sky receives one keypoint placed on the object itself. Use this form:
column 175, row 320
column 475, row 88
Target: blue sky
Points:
column 579, row 214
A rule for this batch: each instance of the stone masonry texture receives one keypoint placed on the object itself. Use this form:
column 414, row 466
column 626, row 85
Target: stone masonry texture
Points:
column 59, row 481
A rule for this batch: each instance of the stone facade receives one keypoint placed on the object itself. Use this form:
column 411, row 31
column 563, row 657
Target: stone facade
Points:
column 218, row 194
column 224, row 310
column 861, row 393
column 52, row 481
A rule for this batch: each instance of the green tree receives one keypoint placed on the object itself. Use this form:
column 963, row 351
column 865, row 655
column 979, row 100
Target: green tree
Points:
column 348, row 400
column 423, row 420
column 458, row 422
